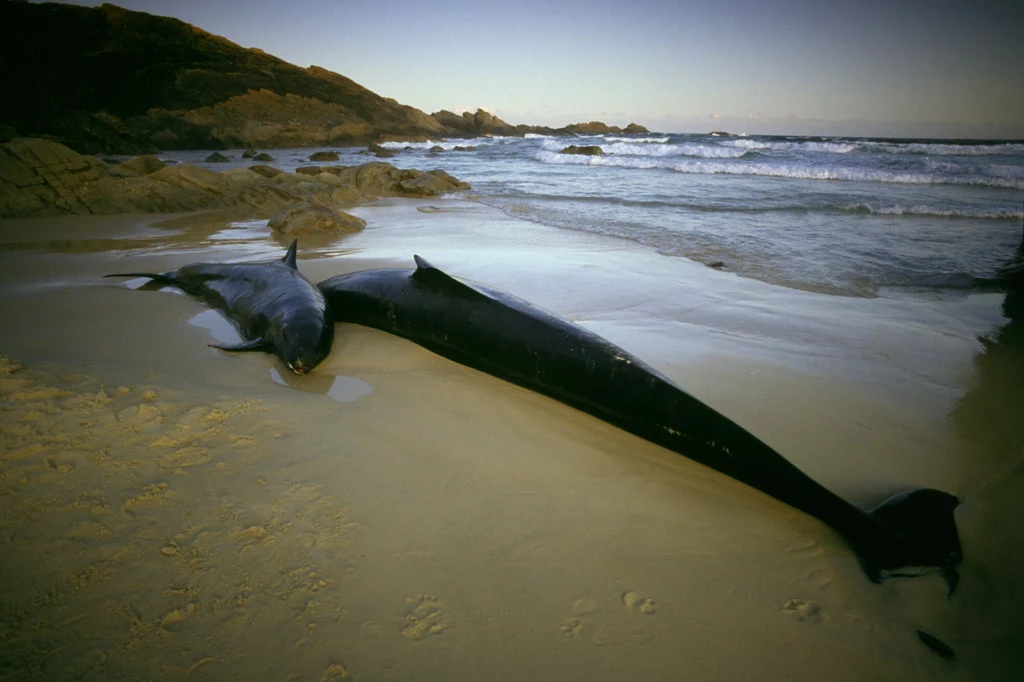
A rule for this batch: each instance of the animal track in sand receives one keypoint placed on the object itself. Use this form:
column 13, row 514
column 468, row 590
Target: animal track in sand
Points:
column 425, row 617
column 805, row 610
column 634, row 602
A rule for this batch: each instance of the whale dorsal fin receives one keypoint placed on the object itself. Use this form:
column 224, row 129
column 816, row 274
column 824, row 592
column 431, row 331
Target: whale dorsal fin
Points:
column 431, row 273
column 289, row 258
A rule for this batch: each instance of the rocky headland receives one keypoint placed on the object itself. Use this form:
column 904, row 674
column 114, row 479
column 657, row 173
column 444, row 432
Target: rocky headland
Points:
column 124, row 82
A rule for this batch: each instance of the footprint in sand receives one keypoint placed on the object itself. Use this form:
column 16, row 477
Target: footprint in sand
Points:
column 801, row 609
column 575, row 625
column 572, row 627
column 425, row 617
column 635, row 602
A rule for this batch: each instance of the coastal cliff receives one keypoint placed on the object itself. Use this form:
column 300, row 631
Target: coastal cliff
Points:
column 110, row 80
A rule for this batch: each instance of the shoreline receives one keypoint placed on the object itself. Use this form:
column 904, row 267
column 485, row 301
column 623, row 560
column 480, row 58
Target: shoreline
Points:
column 460, row 524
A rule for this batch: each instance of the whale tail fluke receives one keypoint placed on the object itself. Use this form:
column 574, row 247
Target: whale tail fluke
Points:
column 924, row 520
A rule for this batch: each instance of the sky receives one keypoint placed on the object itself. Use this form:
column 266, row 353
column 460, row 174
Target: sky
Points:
column 899, row 68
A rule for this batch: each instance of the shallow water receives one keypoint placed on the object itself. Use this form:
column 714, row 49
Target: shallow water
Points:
column 170, row 510
column 847, row 216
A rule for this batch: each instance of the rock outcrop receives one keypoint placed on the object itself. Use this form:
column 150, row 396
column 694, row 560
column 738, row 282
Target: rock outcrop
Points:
column 45, row 178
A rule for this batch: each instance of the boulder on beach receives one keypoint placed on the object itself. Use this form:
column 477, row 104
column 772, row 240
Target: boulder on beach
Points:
column 313, row 218
column 217, row 157
column 309, row 170
column 265, row 171
column 584, row 150
column 323, row 156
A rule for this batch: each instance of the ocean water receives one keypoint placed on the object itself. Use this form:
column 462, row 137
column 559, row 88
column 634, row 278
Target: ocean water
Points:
column 861, row 217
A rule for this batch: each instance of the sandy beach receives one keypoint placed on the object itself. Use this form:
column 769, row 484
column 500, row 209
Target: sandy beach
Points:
column 170, row 511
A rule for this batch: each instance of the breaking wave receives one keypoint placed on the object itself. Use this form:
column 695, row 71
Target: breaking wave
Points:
column 801, row 172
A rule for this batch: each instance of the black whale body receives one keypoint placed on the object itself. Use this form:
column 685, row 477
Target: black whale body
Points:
column 510, row 338
column 273, row 306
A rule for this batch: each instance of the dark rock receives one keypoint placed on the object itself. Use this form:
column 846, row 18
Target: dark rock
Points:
column 720, row 133
column 217, row 157
column 436, row 149
column 635, row 129
column 585, row 150
column 464, row 149
column 249, row 153
column 717, row 265
column 263, row 156
column 324, row 156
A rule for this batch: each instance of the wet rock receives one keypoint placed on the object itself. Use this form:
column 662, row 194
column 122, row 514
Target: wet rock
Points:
column 324, row 156
column 217, row 157
column 263, row 156
column 584, row 150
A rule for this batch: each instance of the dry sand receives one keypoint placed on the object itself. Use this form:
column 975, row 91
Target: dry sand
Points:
column 170, row 511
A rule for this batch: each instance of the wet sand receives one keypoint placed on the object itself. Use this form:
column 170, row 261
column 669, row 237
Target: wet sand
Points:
column 170, row 511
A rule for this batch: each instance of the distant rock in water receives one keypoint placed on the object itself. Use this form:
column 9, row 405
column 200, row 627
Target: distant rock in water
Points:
column 593, row 128
column 584, row 150
column 635, row 129
column 263, row 156
column 381, row 152
column 324, row 156
column 217, row 157
column 469, row 148
column 720, row 133
column 249, row 153
column 312, row 218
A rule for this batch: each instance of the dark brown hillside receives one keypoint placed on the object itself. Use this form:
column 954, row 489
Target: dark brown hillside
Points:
column 92, row 76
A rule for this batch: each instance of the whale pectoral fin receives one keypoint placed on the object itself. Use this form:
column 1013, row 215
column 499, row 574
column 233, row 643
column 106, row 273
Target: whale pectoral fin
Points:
column 162, row 277
column 245, row 346
column 289, row 258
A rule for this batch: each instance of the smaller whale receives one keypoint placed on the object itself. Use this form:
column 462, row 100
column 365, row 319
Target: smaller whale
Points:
column 273, row 306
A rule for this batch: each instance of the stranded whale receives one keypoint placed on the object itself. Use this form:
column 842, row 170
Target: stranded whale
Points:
column 512, row 339
column 273, row 306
